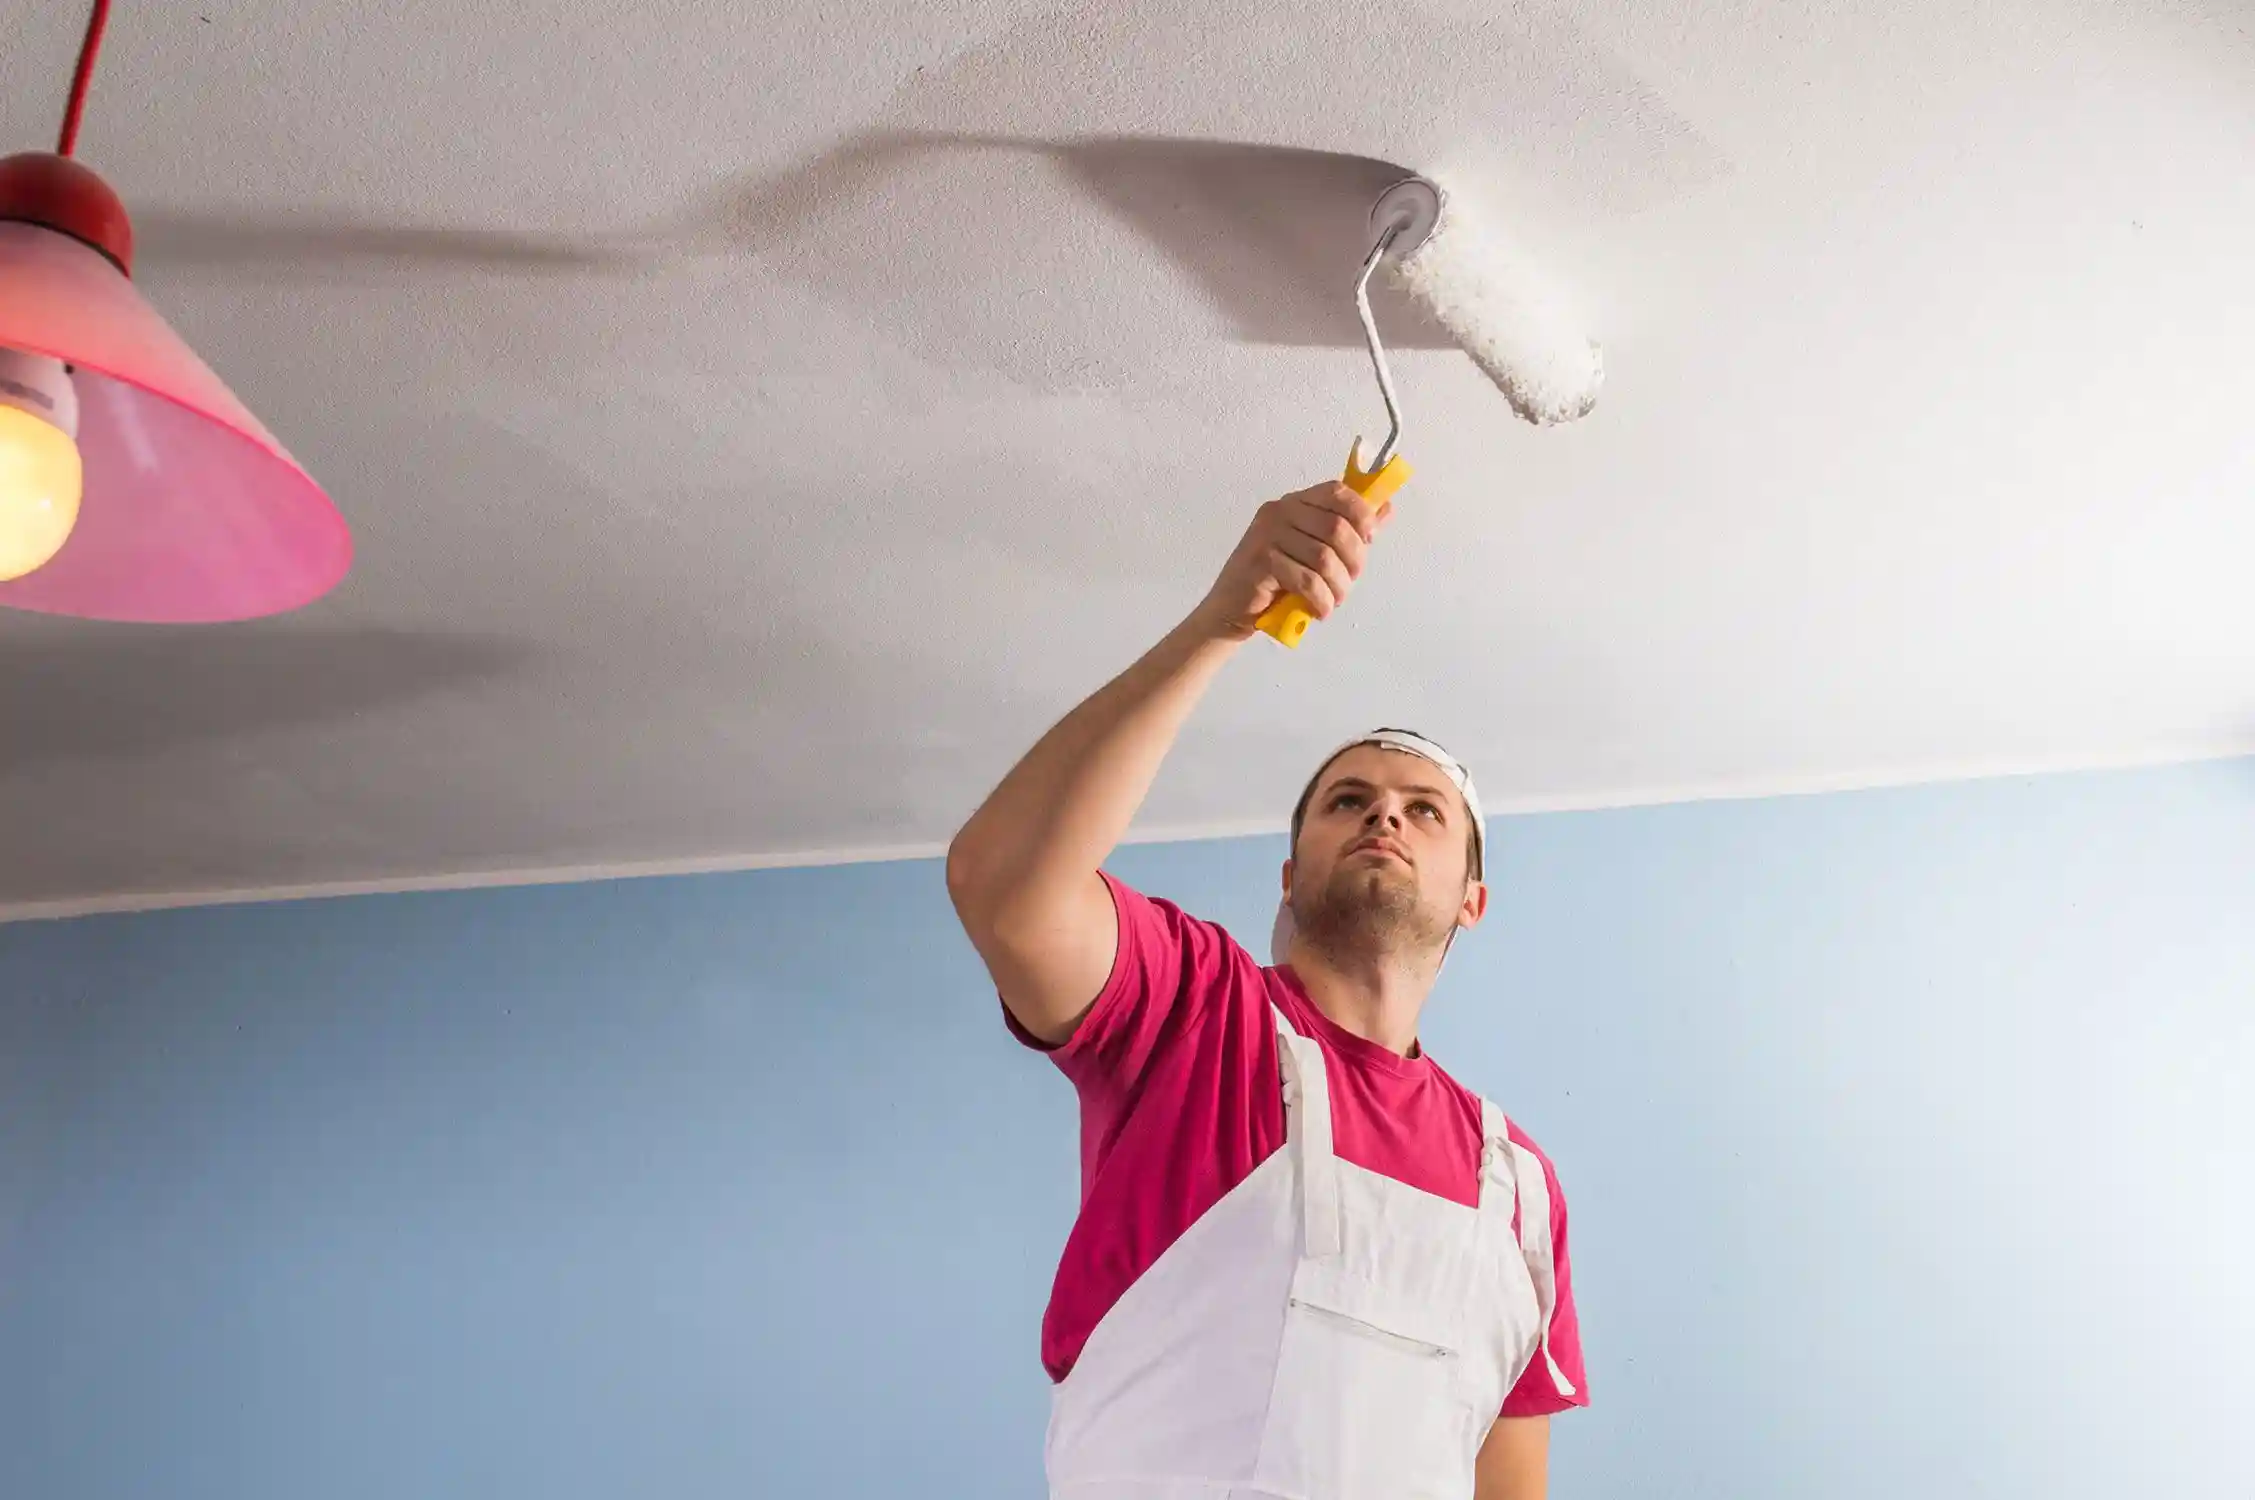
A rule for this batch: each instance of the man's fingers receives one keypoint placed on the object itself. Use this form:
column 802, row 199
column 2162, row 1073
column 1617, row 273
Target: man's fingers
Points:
column 1333, row 532
column 1317, row 558
column 1312, row 543
column 1336, row 499
column 1309, row 584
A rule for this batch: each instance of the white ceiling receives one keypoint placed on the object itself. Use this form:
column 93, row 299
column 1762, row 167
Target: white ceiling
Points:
column 761, row 419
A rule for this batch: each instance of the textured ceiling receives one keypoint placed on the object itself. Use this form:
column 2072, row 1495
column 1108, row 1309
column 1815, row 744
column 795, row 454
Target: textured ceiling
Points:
column 760, row 419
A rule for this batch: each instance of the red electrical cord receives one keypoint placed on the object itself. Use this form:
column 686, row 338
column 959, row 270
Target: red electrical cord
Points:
column 68, row 141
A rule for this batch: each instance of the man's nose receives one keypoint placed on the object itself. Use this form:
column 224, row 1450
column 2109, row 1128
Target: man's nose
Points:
column 1381, row 813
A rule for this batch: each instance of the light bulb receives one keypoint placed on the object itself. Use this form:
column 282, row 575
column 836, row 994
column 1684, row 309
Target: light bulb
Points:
column 40, row 473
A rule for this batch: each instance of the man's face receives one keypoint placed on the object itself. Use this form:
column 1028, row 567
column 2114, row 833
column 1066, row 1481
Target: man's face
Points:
column 1383, row 860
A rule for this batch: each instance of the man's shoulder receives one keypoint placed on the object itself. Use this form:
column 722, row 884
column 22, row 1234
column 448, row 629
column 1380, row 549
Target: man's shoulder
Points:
column 1479, row 1105
column 1207, row 948
column 1134, row 903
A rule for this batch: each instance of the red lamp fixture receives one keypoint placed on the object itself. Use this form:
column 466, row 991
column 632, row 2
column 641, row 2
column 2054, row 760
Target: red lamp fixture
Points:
column 133, row 485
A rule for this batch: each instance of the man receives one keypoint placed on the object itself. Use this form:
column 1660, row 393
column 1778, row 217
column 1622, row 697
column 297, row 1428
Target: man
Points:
column 1308, row 1264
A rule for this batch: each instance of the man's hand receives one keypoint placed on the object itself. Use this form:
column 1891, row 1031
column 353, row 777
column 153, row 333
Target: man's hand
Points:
column 1312, row 543
column 1514, row 1461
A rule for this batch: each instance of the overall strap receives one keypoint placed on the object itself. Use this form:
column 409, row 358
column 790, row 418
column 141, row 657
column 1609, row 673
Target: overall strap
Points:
column 1516, row 1177
column 1307, row 1134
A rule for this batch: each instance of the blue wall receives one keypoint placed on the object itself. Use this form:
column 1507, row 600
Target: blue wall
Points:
column 1908, row 1137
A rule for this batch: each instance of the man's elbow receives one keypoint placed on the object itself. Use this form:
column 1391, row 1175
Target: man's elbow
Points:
column 964, row 866
column 973, row 880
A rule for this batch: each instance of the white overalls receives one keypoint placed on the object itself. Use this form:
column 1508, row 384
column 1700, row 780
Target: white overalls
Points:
column 1321, row 1333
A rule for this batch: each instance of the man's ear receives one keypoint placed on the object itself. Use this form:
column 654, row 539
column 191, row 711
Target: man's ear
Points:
column 1475, row 904
column 1287, row 880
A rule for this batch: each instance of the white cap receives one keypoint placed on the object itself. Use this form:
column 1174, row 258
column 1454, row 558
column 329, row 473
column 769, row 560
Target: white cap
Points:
column 1280, row 939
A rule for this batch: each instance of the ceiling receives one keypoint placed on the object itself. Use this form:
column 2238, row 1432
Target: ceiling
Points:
column 760, row 420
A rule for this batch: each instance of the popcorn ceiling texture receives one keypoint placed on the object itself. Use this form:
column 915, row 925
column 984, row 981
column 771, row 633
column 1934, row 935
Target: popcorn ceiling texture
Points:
column 761, row 420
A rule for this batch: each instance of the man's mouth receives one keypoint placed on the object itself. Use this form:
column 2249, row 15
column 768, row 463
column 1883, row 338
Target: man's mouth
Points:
column 1378, row 846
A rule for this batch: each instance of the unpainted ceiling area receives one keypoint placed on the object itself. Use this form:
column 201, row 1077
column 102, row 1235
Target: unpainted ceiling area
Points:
column 760, row 420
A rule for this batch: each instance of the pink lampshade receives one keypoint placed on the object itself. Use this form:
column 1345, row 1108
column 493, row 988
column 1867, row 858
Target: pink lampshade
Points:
column 192, row 511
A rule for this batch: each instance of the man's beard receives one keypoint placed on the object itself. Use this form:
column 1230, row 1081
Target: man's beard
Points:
column 1363, row 913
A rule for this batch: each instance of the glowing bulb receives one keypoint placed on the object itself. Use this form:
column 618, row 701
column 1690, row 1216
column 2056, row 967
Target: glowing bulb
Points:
column 40, row 473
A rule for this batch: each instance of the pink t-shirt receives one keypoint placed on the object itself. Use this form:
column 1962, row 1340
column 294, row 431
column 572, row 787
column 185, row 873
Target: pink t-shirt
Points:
column 1181, row 1098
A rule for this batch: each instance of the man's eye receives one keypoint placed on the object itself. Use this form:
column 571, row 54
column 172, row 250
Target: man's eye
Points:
column 1425, row 809
column 1346, row 799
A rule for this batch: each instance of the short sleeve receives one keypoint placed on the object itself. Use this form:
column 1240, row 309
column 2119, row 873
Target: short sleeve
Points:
column 1538, row 1394
column 1166, row 966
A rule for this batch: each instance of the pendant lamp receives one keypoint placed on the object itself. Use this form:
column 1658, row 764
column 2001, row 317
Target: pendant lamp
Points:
column 133, row 485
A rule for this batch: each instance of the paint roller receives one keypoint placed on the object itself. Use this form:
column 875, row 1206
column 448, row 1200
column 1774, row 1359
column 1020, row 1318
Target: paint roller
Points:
column 1493, row 301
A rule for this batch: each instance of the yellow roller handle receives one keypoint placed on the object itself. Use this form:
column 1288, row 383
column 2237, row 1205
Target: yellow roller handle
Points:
column 1288, row 618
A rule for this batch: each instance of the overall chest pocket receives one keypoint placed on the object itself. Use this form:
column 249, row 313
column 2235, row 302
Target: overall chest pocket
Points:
column 1370, row 1400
